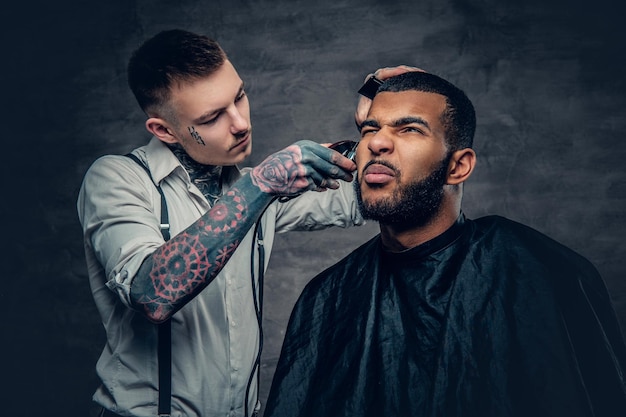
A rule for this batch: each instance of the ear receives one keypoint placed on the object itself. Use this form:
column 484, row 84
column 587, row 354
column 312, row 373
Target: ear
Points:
column 461, row 166
column 161, row 129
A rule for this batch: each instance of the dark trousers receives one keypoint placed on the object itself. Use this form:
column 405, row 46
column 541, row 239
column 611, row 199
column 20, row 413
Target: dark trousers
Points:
column 107, row 413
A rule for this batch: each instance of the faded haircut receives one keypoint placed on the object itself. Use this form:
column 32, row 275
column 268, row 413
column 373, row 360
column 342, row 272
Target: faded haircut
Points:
column 459, row 117
column 168, row 58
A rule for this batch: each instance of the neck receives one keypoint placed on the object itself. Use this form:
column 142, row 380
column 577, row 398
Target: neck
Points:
column 397, row 238
column 208, row 178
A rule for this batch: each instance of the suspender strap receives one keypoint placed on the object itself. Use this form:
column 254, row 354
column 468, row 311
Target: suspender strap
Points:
column 165, row 225
column 164, row 329
column 165, row 368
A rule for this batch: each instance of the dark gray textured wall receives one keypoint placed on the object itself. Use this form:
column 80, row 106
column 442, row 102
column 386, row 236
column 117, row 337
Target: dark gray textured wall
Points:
column 547, row 79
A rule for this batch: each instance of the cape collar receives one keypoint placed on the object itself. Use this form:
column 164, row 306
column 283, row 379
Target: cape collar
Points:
column 432, row 246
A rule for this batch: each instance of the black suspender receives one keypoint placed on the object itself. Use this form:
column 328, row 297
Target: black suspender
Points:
column 165, row 328
column 165, row 225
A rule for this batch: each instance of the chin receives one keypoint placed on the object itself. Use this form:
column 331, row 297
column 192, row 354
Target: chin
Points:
column 241, row 157
column 375, row 194
column 247, row 151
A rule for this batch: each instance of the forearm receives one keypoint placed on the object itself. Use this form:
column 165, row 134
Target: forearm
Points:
column 177, row 271
column 182, row 267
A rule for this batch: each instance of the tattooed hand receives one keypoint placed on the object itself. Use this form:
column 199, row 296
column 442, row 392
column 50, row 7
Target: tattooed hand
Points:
column 182, row 267
column 303, row 166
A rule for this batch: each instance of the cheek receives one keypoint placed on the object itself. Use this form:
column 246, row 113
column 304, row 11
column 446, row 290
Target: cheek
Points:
column 361, row 153
column 243, row 107
column 417, row 166
column 216, row 134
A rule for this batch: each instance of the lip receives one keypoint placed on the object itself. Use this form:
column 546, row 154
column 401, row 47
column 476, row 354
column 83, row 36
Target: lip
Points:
column 378, row 174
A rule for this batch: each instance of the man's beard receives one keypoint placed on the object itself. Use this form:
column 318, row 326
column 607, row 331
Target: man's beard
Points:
column 411, row 205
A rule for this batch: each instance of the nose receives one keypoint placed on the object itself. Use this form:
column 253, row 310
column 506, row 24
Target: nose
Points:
column 239, row 122
column 380, row 143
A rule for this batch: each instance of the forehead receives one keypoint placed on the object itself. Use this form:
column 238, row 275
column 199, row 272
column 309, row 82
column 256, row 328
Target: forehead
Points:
column 207, row 94
column 388, row 106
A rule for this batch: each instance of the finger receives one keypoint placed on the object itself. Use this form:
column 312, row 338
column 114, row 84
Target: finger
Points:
column 312, row 174
column 368, row 76
column 329, row 183
column 327, row 162
column 319, row 183
column 326, row 185
column 331, row 170
column 387, row 72
column 339, row 167
column 382, row 74
column 362, row 108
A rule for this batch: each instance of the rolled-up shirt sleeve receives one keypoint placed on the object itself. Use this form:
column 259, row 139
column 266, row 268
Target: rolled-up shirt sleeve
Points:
column 319, row 210
column 119, row 209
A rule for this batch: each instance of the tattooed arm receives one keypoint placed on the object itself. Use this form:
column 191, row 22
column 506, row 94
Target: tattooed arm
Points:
column 182, row 267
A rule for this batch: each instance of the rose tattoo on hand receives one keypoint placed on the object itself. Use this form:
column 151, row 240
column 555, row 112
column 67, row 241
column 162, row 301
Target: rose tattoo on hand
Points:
column 282, row 173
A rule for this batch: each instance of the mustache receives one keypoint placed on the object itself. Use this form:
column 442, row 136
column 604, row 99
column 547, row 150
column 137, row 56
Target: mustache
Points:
column 384, row 163
column 242, row 134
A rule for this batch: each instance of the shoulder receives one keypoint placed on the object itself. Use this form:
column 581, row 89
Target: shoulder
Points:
column 515, row 237
column 116, row 177
column 116, row 168
column 514, row 231
column 500, row 224
column 348, row 273
column 338, row 291
column 112, row 166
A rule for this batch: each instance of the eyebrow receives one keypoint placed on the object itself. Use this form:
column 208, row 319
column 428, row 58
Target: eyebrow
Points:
column 398, row 122
column 211, row 113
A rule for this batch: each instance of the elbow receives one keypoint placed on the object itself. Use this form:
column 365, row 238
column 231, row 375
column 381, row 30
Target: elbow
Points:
column 154, row 312
column 153, row 308
column 157, row 318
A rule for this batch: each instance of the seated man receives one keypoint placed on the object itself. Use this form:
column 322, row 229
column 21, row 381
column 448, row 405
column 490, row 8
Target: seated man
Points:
column 440, row 315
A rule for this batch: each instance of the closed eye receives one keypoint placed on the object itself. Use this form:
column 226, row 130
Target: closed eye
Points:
column 368, row 131
column 211, row 121
column 215, row 115
column 369, row 126
column 412, row 129
column 240, row 96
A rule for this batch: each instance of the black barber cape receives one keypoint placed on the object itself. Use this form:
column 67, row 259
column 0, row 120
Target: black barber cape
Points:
column 491, row 318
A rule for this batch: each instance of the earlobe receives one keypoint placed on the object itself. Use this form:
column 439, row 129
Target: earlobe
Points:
column 461, row 166
column 159, row 128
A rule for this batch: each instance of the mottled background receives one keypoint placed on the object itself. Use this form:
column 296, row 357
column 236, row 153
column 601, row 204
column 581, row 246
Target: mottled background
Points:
column 547, row 78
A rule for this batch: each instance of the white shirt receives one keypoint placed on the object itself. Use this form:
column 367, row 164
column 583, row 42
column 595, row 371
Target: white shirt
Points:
column 215, row 337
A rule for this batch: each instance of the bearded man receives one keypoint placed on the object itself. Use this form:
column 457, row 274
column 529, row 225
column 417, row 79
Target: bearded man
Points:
column 440, row 315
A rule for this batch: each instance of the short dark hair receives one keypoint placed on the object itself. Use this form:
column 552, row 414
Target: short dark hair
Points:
column 459, row 117
column 171, row 56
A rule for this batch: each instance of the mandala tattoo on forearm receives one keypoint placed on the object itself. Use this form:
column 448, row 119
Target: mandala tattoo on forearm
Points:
column 194, row 257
